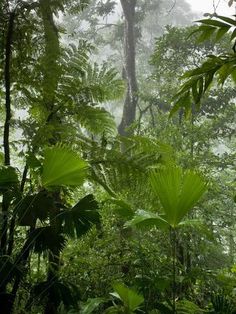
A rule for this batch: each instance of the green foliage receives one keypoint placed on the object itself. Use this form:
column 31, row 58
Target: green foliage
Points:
column 57, row 291
column 58, row 223
column 8, row 270
column 198, row 81
column 46, row 239
column 143, row 219
column 90, row 305
column 96, row 120
column 222, row 304
column 219, row 25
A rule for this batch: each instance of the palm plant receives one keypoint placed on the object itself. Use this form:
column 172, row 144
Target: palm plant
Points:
column 178, row 191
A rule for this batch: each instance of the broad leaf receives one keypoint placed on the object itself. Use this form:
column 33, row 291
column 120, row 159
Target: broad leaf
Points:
column 91, row 305
column 63, row 167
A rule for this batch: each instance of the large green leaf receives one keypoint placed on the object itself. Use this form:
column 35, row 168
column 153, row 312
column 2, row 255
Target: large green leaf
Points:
column 177, row 190
column 79, row 219
column 130, row 298
column 63, row 167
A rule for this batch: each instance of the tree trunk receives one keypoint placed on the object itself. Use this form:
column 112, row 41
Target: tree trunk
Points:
column 51, row 72
column 131, row 98
column 5, row 298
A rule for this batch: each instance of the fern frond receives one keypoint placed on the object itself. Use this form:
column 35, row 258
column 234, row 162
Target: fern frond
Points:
column 96, row 120
column 84, row 83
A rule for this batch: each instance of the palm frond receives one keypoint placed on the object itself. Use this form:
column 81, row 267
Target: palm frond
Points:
column 188, row 307
column 8, row 177
column 124, row 172
column 33, row 207
column 80, row 218
column 45, row 238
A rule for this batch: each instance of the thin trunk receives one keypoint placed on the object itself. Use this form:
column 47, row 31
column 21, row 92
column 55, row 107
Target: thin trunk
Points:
column 173, row 244
column 7, row 78
column 131, row 99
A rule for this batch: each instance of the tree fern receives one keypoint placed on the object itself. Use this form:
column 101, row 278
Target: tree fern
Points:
column 96, row 120
column 84, row 83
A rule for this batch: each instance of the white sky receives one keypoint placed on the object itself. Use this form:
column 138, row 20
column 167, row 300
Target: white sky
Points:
column 207, row 6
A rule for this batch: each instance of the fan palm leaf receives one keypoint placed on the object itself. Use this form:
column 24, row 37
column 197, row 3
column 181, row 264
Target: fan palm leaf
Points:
column 62, row 166
column 177, row 190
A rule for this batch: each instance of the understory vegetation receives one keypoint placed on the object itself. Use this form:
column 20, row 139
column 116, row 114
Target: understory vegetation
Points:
column 117, row 158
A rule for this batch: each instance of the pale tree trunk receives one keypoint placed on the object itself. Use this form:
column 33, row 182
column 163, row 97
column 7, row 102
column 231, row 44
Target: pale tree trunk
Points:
column 131, row 98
